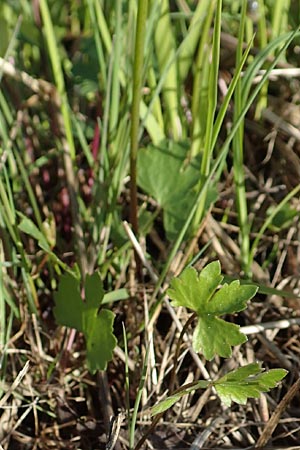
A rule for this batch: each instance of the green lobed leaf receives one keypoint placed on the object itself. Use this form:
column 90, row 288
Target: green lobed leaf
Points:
column 212, row 335
column 247, row 382
column 194, row 291
column 71, row 311
column 231, row 298
column 237, row 386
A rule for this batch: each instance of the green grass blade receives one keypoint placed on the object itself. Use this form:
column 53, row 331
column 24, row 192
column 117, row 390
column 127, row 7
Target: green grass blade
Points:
column 200, row 86
column 268, row 221
column 115, row 92
column 135, row 109
column 165, row 51
column 193, row 36
column 58, row 74
column 212, row 105
column 238, row 156
column 138, row 399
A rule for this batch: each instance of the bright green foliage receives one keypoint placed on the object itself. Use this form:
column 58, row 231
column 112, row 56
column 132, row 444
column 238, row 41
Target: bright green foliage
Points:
column 247, row 382
column 166, row 173
column 237, row 386
column 212, row 336
column 97, row 326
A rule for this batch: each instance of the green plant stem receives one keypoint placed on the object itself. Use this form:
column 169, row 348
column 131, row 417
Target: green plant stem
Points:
column 263, row 40
column 238, row 156
column 177, row 351
column 135, row 109
column 138, row 400
column 115, row 92
column 165, row 49
column 212, row 104
column 127, row 380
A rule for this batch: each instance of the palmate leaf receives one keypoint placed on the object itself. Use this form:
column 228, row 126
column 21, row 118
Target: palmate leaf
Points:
column 212, row 336
column 247, row 382
column 71, row 311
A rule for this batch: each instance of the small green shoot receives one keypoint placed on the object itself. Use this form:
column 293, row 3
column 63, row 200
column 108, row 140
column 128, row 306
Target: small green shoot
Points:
column 212, row 336
column 97, row 326
column 237, row 386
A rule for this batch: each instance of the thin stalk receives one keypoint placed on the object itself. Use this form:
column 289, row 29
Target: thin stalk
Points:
column 127, row 380
column 280, row 17
column 138, row 400
column 212, row 105
column 30, row 192
column 238, row 155
column 200, row 91
column 101, row 34
column 115, row 91
column 194, row 34
column 263, row 40
column 2, row 303
column 135, row 109
column 165, row 48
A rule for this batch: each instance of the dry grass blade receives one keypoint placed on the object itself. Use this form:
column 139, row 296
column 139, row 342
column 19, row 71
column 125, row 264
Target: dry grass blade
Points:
column 41, row 87
column 280, row 324
column 15, row 384
column 273, row 422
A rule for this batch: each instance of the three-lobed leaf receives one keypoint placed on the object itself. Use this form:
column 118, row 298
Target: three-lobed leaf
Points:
column 247, row 382
column 212, row 335
column 194, row 291
column 237, row 386
column 71, row 311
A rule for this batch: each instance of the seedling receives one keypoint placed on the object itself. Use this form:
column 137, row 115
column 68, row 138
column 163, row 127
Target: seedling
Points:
column 214, row 336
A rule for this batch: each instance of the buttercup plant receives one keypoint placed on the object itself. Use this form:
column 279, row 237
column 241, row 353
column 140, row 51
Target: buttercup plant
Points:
column 215, row 336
